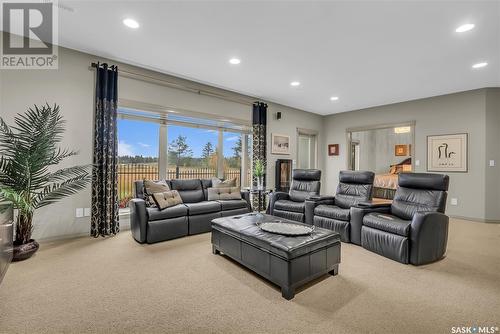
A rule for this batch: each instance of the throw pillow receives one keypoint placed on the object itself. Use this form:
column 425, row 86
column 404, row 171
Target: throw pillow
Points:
column 218, row 183
column 167, row 199
column 223, row 194
column 151, row 187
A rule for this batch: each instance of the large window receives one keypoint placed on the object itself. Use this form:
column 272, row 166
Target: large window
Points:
column 158, row 145
column 192, row 152
column 137, row 155
column 232, row 155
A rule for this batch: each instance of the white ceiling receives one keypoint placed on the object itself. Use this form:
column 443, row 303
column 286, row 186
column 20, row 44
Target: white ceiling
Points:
column 367, row 53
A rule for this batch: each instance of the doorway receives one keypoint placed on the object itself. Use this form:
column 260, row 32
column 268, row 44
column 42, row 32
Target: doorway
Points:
column 306, row 150
column 355, row 154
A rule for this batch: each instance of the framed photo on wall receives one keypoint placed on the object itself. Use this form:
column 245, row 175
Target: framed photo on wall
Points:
column 280, row 144
column 401, row 150
column 333, row 149
column 447, row 153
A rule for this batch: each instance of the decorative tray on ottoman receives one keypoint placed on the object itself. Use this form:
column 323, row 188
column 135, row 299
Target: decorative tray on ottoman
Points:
column 284, row 228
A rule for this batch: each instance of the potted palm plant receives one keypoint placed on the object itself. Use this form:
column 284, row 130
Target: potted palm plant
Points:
column 258, row 172
column 29, row 150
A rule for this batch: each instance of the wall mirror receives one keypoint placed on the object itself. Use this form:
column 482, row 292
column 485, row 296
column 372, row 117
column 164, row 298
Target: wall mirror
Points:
column 387, row 150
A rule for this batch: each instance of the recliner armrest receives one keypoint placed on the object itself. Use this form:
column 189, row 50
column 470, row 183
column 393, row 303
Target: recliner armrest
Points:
column 138, row 219
column 312, row 202
column 428, row 237
column 322, row 199
column 371, row 205
column 357, row 215
column 276, row 196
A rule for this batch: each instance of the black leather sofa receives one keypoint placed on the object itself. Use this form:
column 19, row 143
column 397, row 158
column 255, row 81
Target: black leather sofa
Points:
column 193, row 216
column 334, row 212
column 291, row 205
column 413, row 229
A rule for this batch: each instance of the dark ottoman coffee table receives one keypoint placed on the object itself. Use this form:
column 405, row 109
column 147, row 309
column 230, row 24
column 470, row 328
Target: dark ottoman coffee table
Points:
column 286, row 261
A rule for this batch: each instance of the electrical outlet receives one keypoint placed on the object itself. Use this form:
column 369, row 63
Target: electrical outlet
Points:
column 417, row 162
column 79, row 212
column 454, row 201
column 86, row 212
column 492, row 163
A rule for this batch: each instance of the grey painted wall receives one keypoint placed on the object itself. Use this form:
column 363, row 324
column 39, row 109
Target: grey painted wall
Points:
column 453, row 113
column 291, row 120
column 492, row 203
column 72, row 87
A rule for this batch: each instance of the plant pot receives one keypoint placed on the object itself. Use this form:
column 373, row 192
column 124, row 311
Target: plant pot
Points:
column 25, row 251
column 260, row 182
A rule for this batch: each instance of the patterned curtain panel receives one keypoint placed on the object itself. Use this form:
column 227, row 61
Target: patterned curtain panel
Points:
column 259, row 121
column 104, row 220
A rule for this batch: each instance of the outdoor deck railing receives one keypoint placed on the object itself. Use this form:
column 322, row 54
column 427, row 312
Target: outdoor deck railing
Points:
column 128, row 173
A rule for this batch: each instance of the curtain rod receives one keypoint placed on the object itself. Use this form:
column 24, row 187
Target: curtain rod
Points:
column 150, row 79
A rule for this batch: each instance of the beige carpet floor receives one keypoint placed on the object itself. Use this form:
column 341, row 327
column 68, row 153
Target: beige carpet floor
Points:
column 116, row 285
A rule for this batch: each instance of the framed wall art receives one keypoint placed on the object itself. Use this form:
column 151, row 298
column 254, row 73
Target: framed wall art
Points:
column 447, row 153
column 333, row 149
column 401, row 150
column 280, row 144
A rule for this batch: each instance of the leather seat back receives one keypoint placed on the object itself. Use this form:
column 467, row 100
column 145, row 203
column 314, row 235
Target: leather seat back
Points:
column 139, row 189
column 423, row 192
column 354, row 187
column 305, row 183
column 191, row 191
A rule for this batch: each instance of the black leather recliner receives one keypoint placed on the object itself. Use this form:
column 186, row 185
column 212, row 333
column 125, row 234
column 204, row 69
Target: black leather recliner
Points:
column 291, row 205
column 413, row 229
column 334, row 212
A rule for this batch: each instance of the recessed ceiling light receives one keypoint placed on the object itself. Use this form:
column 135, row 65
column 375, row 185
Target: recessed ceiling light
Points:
column 294, row 83
column 479, row 65
column 334, row 98
column 465, row 27
column 234, row 61
column 131, row 23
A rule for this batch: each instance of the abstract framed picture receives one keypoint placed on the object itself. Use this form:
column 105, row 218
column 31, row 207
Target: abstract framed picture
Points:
column 401, row 150
column 280, row 144
column 333, row 149
column 447, row 153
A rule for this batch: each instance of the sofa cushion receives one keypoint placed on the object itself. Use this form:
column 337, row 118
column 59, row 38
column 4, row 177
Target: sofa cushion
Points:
column 228, row 193
column 171, row 212
column 233, row 204
column 218, row 183
column 388, row 223
column 286, row 205
column 332, row 211
column 191, row 191
column 152, row 187
column 167, row 199
column 205, row 184
column 202, row 207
